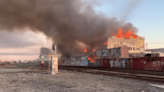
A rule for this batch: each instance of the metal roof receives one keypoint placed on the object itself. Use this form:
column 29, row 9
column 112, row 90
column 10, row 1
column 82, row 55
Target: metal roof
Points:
column 156, row 50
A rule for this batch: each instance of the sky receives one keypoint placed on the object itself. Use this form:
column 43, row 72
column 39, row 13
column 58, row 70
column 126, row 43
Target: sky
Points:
column 146, row 15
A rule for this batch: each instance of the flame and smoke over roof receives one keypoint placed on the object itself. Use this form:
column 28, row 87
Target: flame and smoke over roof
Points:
column 67, row 22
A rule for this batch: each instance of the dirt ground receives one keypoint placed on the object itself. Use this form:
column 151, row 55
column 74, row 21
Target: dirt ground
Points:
column 66, row 81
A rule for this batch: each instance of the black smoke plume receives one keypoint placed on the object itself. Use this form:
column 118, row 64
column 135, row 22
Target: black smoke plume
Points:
column 69, row 23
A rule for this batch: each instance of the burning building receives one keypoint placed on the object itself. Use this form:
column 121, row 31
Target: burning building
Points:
column 128, row 39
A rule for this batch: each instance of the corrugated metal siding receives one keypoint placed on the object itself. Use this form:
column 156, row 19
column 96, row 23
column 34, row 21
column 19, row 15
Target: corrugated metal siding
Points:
column 104, row 62
column 119, row 63
column 121, row 52
column 134, row 63
column 84, row 57
column 96, row 64
column 72, row 63
column 78, row 63
column 84, row 63
column 115, row 52
column 147, row 63
column 102, row 53
column 125, row 63
column 158, row 63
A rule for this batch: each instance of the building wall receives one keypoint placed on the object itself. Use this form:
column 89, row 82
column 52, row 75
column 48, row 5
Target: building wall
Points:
column 135, row 45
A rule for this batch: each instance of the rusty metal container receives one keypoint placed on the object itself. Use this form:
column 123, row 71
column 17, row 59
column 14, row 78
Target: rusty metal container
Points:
column 84, row 57
column 120, row 52
column 78, row 63
column 84, row 63
column 67, row 62
column 125, row 63
column 115, row 63
column 72, row 63
column 102, row 53
column 147, row 63
column 104, row 62
column 92, row 60
column 96, row 64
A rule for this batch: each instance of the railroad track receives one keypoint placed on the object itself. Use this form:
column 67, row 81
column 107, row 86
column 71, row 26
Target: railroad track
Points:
column 136, row 75
column 150, row 72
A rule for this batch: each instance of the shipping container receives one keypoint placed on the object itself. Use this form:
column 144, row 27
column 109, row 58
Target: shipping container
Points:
column 84, row 57
column 147, row 63
column 125, row 63
column 111, row 63
column 115, row 63
column 134, row 63
column 92, row 58
column 72, row 63
column 67, row 63
column 105, row 62
column 102, row 53
column 120, row 52
column 98, row 61
column 157, row 63
column 92, row 61
column 75, row 58
column 84, row 63
column 96, row 64
column 78, row 63
column 61, row 61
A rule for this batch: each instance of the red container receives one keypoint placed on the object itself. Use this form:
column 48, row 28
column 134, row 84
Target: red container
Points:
column 158, row 63
column 142, row 63
column 105, row 63
column 115, row 63
column 145, row 63
column 120, row 52
column 134, row 63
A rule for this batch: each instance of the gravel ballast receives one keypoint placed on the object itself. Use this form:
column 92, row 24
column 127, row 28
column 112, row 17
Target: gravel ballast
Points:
column 68, row 81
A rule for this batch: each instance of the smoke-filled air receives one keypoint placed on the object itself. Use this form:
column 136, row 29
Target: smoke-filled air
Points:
column 72, row 24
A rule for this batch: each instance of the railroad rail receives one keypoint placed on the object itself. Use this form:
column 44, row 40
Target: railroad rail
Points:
column 156, row 76
column 150, row 72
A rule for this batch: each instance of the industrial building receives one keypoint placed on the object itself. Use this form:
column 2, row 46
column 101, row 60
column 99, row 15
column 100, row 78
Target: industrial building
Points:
column 136, row 44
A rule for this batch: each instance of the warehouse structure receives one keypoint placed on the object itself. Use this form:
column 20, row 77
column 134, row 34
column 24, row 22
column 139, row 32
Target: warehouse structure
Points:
column 135, row 44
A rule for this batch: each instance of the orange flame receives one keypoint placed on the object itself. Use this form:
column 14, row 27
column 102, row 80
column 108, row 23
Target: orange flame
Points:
column 105, row 43
column 119, row 35
column 85, row 50
column 134, row 36
column 128, row 33
column 94, row 50
column 92, row 59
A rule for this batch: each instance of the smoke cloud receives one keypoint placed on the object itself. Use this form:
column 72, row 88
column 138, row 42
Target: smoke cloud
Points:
column 69, row 23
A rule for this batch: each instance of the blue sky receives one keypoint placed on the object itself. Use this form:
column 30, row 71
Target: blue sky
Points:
column 147, row 16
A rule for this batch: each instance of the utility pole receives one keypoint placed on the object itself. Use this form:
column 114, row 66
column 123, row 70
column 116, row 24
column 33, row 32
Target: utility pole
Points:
column 146, row 46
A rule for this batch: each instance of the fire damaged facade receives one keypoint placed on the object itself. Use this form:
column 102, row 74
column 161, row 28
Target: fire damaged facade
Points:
column 135, row 43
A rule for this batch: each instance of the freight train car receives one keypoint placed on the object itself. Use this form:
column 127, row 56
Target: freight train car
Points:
column 116, row 58
column 141, row 63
